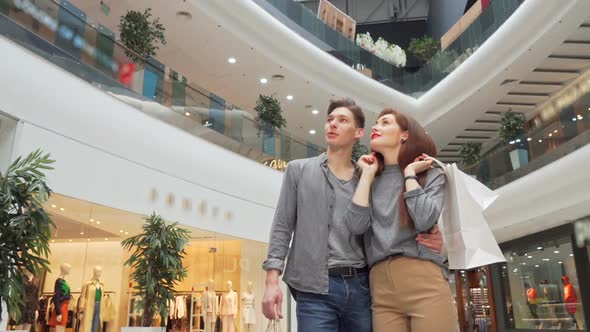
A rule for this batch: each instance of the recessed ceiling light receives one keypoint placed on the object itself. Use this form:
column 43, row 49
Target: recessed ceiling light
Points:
column 539, row 248
column 555, row 131
column 187, row 114
column 69, row 240
column 81, row 233
column 536, row 265
column 560, row 262
column 126, row 233
column 315, row 112
column 53, row 205
column 529, row 139
column 550, row 134
column 540, row 141
column 518, row 140
column 530, row 256
column 312, row 132
column 263, row 80
column 52, row 241
column 289, row 97
column 62, row 209
column 511, row 142
column 571, row 255
column 106, row 239
column 98, row 222
column 580, row 117
column 91, row 220
column 574, row 119
column 88, row 239
column 121, row 231
column 232, row 60
column 556, row 252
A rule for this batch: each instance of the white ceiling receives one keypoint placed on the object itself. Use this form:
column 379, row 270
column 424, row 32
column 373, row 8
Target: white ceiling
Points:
column 199, row 49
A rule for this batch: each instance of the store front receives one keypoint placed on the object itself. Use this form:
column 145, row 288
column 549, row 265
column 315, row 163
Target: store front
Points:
column 88, row 239
column 544, row 284
column 474, row 299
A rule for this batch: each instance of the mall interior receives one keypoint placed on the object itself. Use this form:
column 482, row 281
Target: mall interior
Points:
column 175, row 130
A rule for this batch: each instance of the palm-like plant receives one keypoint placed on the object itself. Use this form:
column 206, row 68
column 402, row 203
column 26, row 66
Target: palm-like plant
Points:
column 25, row 227
column 157, row 264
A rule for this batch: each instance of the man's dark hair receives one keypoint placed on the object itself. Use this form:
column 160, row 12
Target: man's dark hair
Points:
column 357, row 112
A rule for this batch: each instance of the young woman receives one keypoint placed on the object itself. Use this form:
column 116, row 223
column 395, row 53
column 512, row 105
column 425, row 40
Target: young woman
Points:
column 398, row 197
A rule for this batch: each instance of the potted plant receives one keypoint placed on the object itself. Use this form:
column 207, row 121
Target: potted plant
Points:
column 25, row 229
column 423, row 48
column 359, row 150
column 269, row 115
column 511, row 127
column 470, row 153
column 156, row 263
column 141, row 34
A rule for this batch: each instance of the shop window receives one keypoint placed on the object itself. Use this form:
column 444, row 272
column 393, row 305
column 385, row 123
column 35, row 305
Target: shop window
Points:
column 541, row 286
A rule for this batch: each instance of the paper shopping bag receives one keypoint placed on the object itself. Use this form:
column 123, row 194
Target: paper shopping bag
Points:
column 273, row 326
column 467, row 235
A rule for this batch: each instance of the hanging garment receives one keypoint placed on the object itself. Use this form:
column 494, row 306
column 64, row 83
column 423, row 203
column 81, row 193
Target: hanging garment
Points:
column 107, row 309
column 30, row 302
column 180, row 307
column 90, row 306
column 248, row 308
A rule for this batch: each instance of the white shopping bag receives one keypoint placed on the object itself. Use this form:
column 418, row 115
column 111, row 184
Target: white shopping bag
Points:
column 468, row 238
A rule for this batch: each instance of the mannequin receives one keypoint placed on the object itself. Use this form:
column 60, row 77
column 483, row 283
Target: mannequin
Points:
column 30, row 308
column 248, row 309
column 210, row 304
column 570, row 298
column 61, row 299
column 90, row 303
column 229, row 309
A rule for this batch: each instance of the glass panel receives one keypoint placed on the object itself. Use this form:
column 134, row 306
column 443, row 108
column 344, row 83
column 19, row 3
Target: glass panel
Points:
column 437, row 69
column 7, row 134
column 542, row 287
column 63, row 35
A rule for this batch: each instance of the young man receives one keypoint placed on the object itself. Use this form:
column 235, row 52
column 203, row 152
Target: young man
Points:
column 327, row 270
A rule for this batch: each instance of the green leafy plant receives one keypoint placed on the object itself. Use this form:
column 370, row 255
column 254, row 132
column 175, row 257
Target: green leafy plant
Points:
column 470, row 153
column 359, row 150
column 269, row 114
column 156, row 263
column 423, row 48
column 511, row 126
column 25, row 227
column 141, row 34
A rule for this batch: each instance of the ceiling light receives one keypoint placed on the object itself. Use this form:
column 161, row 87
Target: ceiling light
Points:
column 53, row 205
column 540, row 141
column 536, row 265
column 98, row 222
column 106, row 239
column 121, row 231
column 518, row 140
column 556, row 252
column 88, row 239
column 539, row 248
column 81, row 233
column 312, row 132
column 289, row 97
column 529, row 139
column 560, row 262
column 551, row 134
column 580, row 117
column 91, row 220
column 574, row 119
column 555, row 131
column 511, row 142
column 530, row 256
column 523, row 263
column 503, row 267
column 126, row 233
column 187, row 113
column 315, row 112
column 515, row 270
column 52, row 241
column 571, row 255
column 232, row 60
column 62, row 209
column 69, row 240
column 263, row 80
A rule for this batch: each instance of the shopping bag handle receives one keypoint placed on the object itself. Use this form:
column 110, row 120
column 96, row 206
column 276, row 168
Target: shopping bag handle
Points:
column 440, row 163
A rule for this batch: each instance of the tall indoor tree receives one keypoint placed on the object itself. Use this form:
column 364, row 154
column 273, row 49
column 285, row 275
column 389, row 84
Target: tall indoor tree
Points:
column 25, row 227
column 156, row 263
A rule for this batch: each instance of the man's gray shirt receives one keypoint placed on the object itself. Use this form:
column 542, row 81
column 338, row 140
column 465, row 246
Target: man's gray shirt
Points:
column 304, row 213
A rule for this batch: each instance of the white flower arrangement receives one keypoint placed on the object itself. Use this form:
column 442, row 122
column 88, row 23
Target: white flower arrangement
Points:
column 383, row 49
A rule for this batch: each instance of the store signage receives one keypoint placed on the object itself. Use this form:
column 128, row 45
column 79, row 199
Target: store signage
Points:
column 277, row 164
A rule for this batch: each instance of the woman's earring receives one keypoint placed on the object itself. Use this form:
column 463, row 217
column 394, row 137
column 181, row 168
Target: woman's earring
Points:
column 403, row 140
